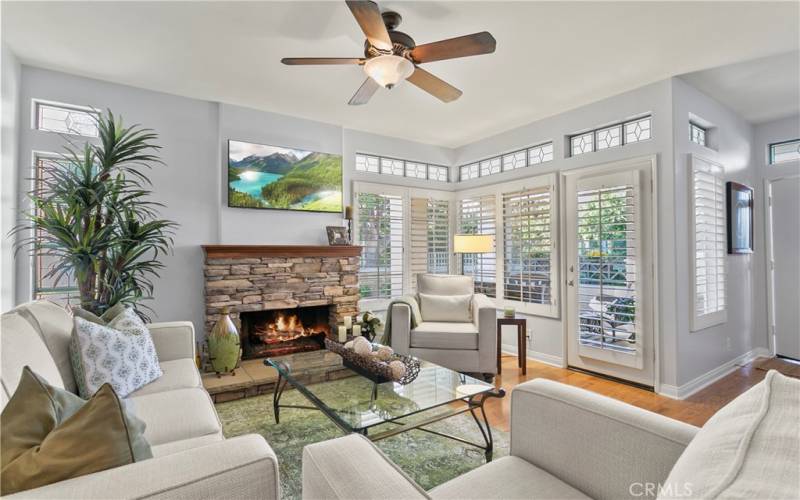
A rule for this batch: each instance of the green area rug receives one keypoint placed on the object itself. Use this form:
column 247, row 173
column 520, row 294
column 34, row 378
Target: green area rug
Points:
column 431, row 460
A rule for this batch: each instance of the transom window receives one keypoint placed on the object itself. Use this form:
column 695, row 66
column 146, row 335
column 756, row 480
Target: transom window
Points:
column 401, row 168
column 784, row 151
column 66, row 119
column 611, row 136
column 697, row 134
column 504, row 163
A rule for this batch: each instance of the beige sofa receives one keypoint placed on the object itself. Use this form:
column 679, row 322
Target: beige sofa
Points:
column 568, row 443
column 192, row 459
column 469, row 346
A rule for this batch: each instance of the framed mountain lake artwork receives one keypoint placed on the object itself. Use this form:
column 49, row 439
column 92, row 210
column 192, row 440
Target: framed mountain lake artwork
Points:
column 273, row 177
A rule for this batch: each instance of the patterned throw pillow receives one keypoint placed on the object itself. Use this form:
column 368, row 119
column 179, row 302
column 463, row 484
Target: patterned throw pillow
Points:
column 120, row 353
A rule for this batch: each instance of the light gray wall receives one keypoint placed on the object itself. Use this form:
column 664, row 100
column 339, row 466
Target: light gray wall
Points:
column 765, row 134
column 654, row 99
column 731, row 141
column 9, row 108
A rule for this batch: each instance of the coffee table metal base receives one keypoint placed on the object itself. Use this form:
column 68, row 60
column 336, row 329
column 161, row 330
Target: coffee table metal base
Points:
column 473, row 404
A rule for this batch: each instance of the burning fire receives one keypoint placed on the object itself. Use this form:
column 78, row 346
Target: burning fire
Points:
column 285, row 327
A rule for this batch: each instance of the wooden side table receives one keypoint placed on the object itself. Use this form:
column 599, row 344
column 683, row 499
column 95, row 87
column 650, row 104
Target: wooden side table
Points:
column 522, row 340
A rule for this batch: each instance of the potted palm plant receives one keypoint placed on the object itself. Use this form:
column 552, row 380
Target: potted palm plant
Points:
column 93, row 217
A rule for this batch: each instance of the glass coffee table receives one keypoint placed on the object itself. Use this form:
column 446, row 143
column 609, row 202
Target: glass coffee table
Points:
column 356, row 404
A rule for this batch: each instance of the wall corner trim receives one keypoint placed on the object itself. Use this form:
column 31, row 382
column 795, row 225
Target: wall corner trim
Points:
column 708, row 378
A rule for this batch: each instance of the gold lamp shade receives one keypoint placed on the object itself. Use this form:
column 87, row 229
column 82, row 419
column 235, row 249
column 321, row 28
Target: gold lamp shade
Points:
column 473, row 243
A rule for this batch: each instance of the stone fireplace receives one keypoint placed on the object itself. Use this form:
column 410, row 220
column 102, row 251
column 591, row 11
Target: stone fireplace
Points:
column 282, row 299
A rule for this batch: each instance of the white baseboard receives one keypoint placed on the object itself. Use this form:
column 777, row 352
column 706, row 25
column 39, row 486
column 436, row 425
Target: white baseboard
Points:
column 548, row 359
column 708, row 378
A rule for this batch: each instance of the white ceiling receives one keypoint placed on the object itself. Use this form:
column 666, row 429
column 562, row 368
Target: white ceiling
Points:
column 759, row 90
column 551, row 56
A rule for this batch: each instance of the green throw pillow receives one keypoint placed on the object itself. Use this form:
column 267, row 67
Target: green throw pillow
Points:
column 48, row 435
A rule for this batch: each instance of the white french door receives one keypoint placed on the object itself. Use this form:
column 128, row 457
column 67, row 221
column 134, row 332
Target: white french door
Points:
column 609, row 271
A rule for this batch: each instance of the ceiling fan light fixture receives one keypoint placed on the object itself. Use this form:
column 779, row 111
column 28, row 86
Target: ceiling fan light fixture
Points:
column 388, row 70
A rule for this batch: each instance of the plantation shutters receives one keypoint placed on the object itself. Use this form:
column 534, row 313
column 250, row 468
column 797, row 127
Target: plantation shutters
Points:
column 430, row 237
column 477, row 215
column 380, row 234
column 527, row 246
column 608, row 264
column 709, row 245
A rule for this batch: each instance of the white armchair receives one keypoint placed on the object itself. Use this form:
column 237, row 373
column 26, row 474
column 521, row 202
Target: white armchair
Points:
column 443, row 337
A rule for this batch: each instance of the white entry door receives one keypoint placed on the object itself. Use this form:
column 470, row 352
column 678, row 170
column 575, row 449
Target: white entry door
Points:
column 785, row 266
column 609, row 271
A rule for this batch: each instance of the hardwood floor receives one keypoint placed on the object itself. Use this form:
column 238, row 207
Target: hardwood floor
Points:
column 694, row 410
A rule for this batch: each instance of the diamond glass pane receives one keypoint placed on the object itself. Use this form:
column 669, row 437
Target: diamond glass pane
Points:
column 582, row 143
column 609, row 137
column 437, row 173
column 66, row 120
column 785, row 151
column 638, row 130
column 490, row 166
column 540, row 154
column 416, row 170
column 514, row 161
column 390, row 166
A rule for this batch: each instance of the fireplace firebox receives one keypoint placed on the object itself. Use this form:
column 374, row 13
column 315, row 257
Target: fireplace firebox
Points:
column 284, row 331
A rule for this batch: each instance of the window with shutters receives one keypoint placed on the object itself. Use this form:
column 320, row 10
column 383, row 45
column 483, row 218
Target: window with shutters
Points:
column 607, row 283
column 477, row 215
column 380, row 234
column 708, row 244
column 48, row 282
column 527, row 246
column 430, row 237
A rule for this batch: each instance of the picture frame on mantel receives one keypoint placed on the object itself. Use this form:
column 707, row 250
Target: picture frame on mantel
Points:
column 337, row 235
column 739, row 213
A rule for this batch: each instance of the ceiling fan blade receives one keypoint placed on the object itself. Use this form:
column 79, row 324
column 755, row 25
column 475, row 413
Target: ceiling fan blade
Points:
column 462, row 46
column 434, row 85
column 369, row 18
column 303, row 61
column 364, row 92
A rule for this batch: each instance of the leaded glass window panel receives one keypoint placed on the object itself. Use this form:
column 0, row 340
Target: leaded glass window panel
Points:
column 437, row 173
column 582, row 143
column 416, row 170
column 540, row 154
column 391, row 166
column 66, row 119
column 609, row 137
column 637, row 130
column 490, row 166
column 513, row 161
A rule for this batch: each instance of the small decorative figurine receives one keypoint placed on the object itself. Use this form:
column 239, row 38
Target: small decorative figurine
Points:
column 224, row 346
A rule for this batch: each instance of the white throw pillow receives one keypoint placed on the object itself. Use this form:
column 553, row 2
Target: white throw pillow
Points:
column 748, row 449
column 120, row 353
column 452, row 308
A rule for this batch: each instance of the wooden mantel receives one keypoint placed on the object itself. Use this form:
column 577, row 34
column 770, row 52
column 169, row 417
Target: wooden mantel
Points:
column 244, row 251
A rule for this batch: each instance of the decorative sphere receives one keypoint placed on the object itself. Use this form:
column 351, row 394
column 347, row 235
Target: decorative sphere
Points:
column 398, row 369
column 384, row 352
column 362, row 346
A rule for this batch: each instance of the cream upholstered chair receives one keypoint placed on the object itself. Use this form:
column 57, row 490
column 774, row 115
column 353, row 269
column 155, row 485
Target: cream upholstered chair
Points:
column 458, row 328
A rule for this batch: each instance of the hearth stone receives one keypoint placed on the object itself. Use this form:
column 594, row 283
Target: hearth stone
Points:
column 263, row 278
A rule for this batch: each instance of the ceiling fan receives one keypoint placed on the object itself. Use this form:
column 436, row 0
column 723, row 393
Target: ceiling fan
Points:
column 391, row 56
